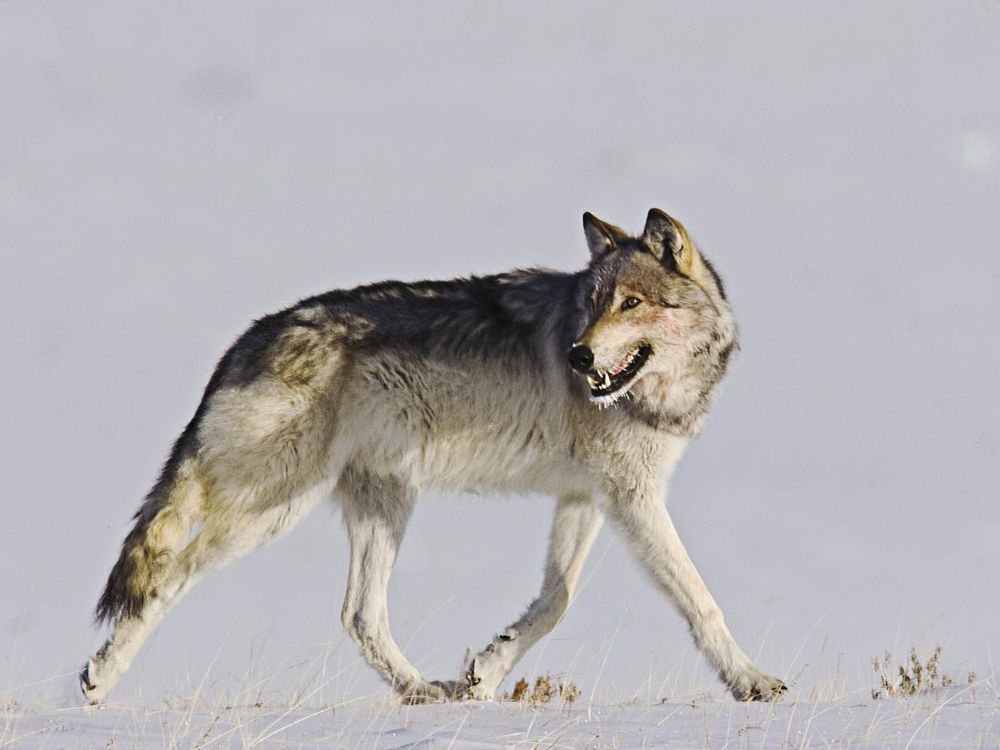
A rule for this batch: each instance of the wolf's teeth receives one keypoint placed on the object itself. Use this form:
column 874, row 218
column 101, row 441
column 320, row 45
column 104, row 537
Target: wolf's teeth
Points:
column 600, row 381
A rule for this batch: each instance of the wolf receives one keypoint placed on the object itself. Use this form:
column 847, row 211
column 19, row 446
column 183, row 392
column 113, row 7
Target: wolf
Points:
column 586, row 386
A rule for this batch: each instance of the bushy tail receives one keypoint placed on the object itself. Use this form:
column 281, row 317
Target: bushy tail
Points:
column 161, row 530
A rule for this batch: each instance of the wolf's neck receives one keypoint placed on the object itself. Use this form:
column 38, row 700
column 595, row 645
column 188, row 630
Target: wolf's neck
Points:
column 676, row 407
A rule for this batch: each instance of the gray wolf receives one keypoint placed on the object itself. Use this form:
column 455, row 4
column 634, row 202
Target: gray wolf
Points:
column 585, row 385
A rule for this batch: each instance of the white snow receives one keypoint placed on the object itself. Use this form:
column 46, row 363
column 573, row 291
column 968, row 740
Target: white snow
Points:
column 956, row 718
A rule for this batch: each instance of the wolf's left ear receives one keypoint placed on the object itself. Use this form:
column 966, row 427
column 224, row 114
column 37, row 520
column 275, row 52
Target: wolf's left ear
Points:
column 602, row 237
column 664, row 236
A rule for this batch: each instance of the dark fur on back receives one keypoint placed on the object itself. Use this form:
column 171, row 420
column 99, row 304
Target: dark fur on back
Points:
column 498, row 315
column 476, row 316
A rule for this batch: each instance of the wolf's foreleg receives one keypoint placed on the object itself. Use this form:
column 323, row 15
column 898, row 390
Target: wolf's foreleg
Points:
column 643, row 518
column 577, row 521
column 376, row 511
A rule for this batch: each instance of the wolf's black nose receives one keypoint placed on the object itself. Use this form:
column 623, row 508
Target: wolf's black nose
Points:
column 581, row 358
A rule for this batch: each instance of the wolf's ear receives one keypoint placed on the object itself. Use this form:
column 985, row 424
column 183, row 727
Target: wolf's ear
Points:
column 664, row 236
column 602, row 237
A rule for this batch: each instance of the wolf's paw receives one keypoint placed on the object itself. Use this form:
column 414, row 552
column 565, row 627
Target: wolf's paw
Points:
column 487, row 670
column 418, row 694
column 91, row 688
column 758, row 687
column 455, row 690
column 476, row 689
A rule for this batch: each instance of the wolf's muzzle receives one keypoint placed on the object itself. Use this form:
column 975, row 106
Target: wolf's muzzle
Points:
column 581, row 358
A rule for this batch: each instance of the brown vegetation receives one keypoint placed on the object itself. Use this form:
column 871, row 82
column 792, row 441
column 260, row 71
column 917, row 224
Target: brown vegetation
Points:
column 545, row 690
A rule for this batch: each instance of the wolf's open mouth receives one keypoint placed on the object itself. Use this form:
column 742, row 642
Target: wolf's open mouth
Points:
column 605, row 383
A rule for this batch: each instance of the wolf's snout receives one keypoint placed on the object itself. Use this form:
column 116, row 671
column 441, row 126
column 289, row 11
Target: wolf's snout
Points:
column 581, row 358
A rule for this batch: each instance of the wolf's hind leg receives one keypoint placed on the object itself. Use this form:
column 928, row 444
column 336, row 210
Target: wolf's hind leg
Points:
column 376, row 511
column 103, row 670
column 577, row 521
column 217, row 543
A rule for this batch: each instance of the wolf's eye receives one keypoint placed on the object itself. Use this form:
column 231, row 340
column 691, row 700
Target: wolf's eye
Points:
column 629, row 303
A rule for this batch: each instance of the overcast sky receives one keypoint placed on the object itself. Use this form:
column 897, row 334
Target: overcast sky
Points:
column 168, row 174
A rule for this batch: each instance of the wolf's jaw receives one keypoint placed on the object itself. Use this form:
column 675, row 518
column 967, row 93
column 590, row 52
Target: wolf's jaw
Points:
column 607, row 386
column 610, row 400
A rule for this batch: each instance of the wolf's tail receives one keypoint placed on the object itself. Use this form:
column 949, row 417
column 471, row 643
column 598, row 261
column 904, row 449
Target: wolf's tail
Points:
column 161, row 530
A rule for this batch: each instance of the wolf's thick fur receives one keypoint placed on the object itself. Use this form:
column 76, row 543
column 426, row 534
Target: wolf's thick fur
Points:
column 377, row 393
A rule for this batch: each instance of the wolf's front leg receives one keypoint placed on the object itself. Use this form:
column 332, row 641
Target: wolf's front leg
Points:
column 643, row 517
column 574, row 528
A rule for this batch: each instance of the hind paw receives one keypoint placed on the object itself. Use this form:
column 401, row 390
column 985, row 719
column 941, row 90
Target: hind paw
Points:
column 758, row 687
column 418, row 694
column 455, row 690
column 89, row 686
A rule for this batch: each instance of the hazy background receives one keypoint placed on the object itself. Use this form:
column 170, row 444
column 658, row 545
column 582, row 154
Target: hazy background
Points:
column 168, row 174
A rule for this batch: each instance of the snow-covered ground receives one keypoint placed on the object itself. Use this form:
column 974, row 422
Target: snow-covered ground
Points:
column 169, row 171
column 952, row 718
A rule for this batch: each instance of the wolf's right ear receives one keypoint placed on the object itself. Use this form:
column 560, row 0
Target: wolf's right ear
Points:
column 602, row 237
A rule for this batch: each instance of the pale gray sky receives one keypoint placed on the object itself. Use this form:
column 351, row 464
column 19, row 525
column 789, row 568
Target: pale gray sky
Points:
column 169, row 173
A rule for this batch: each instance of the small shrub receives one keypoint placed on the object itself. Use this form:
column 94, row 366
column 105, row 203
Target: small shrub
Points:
column 569, row 692
column 911, row 678
column 545, row 689
column 520, row 690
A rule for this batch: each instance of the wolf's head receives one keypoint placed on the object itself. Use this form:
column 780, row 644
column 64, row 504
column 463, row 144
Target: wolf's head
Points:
column 654, row 321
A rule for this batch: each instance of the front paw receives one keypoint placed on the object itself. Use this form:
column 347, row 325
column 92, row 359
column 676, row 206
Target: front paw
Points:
column 483, row 677
column 490, row 666
column 758, row 687
column 480, row 692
